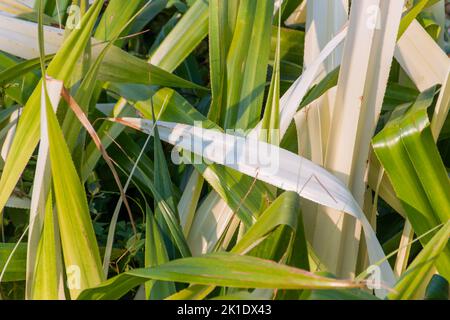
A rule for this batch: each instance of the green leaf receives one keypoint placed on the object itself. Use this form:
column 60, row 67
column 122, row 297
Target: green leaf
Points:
column 16, row 266
column 247, row 61
column 328, row 82
column 409, row 284
column 277, row 235
column 437, row 289
column 167, row 219
column 112, row 22
column 107, row 132
column 220, row 33
column 21, row 69
column 121, row 67
column 220, row 270
column 181, row 41
column 284, row 211
column 430, row 25
column 47, row 276
column 17, row 86
column 80, row 249
column 27, row 134
column 350, row 294
column 155, row 254
column 411, row 15
column 186, row 35
column 408, row 153
column 291, row 52
column 271, row 118
column 149, row 13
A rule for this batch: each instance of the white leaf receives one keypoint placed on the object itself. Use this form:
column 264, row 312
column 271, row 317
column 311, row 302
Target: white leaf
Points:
column 280, row 168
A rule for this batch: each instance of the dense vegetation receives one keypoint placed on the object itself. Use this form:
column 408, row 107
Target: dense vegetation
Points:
column 102, row 197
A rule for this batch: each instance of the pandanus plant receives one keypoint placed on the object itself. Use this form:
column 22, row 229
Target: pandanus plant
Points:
column 348, row 99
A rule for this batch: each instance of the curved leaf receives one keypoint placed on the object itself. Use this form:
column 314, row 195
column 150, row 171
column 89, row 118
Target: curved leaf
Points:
column 408, row 153
column 220, row 270
column 408, row 285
